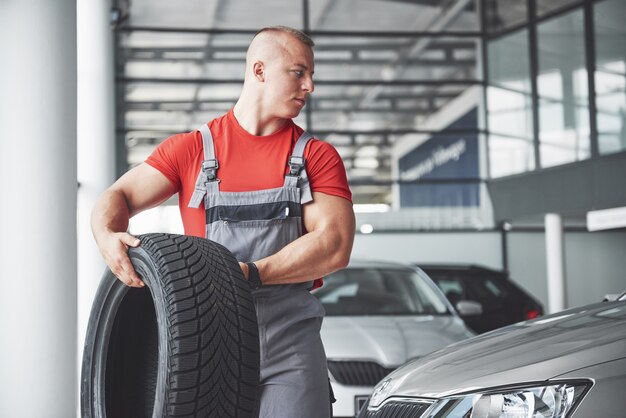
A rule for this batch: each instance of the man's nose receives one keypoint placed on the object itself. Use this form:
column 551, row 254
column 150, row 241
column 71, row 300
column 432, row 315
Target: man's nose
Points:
column 308, row 85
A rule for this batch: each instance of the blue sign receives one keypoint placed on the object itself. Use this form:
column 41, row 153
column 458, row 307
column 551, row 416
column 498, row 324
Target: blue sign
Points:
column 443, row 156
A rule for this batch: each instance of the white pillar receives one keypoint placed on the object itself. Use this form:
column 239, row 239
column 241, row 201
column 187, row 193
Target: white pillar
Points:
column 38, row 209
column 555, row 257
column 96, row 141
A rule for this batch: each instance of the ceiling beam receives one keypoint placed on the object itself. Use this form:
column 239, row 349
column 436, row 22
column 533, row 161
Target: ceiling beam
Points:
column 313, row 33
column 352, row 57
column 327, row 82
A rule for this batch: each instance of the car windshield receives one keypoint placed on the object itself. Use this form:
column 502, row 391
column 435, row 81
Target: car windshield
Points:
column 379, row 291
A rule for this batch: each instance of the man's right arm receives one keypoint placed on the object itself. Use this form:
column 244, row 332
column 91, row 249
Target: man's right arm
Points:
column 141, row 188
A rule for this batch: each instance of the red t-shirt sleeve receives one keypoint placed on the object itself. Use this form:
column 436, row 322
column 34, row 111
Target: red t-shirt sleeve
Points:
column 174, row 156
column 326, row 171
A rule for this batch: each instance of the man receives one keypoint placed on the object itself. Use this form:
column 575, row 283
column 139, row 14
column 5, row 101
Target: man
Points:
column 279, row 200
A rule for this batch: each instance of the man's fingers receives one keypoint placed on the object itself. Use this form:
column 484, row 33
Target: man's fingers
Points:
column 131, row 276
column 130, row 240
column 129, row 280
column 244, row 269
column 114, row 249
column 120, row 263
column 122, row 276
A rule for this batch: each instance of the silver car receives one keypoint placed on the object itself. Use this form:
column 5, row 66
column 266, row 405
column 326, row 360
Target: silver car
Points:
column 378, row 316
column 569, row 364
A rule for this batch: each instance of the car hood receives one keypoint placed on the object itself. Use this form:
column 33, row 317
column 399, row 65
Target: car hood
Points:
column 389, row 340
column 526, row 352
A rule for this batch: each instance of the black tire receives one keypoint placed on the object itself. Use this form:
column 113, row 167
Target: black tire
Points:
column 185, row 345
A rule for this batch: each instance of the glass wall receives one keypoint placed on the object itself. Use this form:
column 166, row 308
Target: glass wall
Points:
column 509, row 106
column 610, row 75
column 504, row 14
column 540, row 69
column 563, row 90
column 544, row 7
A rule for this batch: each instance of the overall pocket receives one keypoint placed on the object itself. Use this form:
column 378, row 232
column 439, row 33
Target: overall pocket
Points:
column 251, row 240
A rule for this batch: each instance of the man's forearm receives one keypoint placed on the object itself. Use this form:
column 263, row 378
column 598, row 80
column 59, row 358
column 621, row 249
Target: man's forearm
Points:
column 139, row 189
column 109, row 221
column 324, row 249
column 110, row 214
column 310, row 257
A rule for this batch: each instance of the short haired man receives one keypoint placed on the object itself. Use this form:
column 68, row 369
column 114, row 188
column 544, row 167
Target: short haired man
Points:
column 300, row 225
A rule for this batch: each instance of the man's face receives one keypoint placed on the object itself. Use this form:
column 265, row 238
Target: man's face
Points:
column 289, row 79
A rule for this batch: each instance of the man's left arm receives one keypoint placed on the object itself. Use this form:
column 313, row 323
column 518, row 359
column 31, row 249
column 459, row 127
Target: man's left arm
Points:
column 326, row 247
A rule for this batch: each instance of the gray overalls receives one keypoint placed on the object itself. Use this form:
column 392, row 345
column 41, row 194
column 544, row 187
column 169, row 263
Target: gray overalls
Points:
column 254, row 225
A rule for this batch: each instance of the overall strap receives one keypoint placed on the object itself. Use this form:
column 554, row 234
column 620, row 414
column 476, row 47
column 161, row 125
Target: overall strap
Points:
column 297, row 176
column 207, row 181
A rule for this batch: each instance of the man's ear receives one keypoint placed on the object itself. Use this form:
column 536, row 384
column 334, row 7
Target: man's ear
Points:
column 258, row 68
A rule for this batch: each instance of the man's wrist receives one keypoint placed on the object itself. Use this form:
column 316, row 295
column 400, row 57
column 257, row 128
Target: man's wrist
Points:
column 254, row 279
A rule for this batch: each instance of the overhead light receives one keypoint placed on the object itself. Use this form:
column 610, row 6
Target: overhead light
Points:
column 366, row 162
column 367, row 229
column 371, row 207
column 388, row 73
column 613, row 218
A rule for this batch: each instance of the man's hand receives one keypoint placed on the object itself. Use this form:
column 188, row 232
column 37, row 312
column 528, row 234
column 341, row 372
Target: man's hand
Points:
column 141, row 188
column 114, row 249
column 244, row 269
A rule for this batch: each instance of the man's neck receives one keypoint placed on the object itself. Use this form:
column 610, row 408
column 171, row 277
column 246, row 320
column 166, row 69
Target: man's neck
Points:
column 253, row 121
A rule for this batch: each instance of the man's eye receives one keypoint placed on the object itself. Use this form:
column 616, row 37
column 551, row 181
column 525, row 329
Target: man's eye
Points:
column 298, row 73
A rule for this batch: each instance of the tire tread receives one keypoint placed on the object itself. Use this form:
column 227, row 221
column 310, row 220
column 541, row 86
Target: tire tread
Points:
column 210, row 317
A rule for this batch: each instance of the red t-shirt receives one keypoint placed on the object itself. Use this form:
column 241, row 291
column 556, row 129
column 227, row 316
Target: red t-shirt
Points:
column 246, row 162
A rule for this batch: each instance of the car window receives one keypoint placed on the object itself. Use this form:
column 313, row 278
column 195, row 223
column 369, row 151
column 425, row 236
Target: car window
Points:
column 495, row 290
column 452, row 288
column 378, row 291
column 484, row 288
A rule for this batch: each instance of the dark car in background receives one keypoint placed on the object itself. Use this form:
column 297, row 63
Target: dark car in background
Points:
column 503, row 301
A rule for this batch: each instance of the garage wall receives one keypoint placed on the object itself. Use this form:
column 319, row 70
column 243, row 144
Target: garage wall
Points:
column 598, row 262
column 461, row 247
column 595, row 262
column 527, row 262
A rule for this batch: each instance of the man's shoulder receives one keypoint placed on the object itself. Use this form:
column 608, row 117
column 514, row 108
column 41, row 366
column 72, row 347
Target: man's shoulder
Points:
column 314, row 144
column 177, row 150
column 185, row 136
column 182, row 141
column 320, row 148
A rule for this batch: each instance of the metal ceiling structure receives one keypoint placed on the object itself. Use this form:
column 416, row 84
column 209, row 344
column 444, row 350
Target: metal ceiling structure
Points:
column 383, row 67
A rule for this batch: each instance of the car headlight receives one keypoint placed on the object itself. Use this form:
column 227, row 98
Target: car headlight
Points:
column 555, row 400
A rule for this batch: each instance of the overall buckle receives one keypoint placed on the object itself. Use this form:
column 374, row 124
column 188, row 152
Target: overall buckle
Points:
column 296, row 164
column 209, row 167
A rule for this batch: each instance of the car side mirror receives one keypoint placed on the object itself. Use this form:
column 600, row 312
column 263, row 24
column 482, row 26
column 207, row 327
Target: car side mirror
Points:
column 469, row 308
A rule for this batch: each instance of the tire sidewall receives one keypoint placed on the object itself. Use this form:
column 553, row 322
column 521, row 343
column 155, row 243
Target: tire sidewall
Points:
column 148, row 271
column 109, row 296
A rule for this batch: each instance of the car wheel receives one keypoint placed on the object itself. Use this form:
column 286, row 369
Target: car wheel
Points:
column 184, row 345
